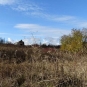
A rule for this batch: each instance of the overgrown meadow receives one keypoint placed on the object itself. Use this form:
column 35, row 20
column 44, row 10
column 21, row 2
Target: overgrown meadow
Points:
column 41, row 67
column 36, row 66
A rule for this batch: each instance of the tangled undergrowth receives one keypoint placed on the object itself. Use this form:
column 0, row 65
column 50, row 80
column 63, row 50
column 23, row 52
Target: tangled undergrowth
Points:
column 38, row 67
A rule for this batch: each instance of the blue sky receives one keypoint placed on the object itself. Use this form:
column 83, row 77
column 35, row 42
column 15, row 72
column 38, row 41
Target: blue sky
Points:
column 44, row 21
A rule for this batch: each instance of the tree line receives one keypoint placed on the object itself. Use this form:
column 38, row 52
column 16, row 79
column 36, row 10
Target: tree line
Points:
column 3, row 41
column 74, row 42
column 21, row 43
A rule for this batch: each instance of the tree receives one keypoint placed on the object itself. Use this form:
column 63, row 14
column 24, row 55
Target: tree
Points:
column 77, row 42
column 72, row 42
column 2, row 41
column 66, row 42
column 84, row 32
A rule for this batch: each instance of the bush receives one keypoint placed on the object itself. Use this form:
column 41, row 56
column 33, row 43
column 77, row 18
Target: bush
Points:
column 72, row 42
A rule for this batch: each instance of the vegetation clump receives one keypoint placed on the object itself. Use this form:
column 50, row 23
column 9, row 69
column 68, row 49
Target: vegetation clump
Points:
column 42, row 66
column 74, row 42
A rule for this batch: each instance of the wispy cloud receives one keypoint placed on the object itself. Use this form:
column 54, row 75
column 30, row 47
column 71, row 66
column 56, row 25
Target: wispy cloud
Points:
column 23, row 34
column 83, row 24
column 63, row 18
column 3, row 33
column 30, row 8
column 7, row 2
column 21, row 5
column 72, row 21
column 32, row 27
column 56, row 18
column 42, row 30
column 26, row 7
column 37, row 11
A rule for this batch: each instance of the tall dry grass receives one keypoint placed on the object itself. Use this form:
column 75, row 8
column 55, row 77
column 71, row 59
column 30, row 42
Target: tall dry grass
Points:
column 43, row 69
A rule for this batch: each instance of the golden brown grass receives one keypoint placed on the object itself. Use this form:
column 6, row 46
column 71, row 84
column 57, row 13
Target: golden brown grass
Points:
column 52, row 69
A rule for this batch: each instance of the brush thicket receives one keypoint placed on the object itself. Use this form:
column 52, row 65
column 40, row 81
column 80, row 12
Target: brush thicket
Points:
column 41, row 68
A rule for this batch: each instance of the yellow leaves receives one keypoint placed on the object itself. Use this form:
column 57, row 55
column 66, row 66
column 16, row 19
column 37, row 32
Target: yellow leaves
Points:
column 73, row 42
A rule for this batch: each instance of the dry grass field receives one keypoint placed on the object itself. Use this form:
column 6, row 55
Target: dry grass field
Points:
column 36, row 67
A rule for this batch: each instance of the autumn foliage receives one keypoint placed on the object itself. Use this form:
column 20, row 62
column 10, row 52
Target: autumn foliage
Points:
column 73, row 42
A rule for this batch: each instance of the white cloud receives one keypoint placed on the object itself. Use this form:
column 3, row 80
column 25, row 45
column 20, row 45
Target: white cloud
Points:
column 26, row 41
column 33, row 40
column 44, row 41
column 29, row 26
column 78, row 23
column 57, row 18
column 63, row 18
column 10, row 40
column 29, row 41
column 52, row 34
column 26, row 7
column 30, row 8
column 2, row 33
column 6, row 2
column 42, row 30
column 37, row 11
column 82, row 24
column 22, row 6
column 50, row 40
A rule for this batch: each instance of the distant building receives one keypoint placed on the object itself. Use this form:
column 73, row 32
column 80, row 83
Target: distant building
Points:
column 20, row 43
